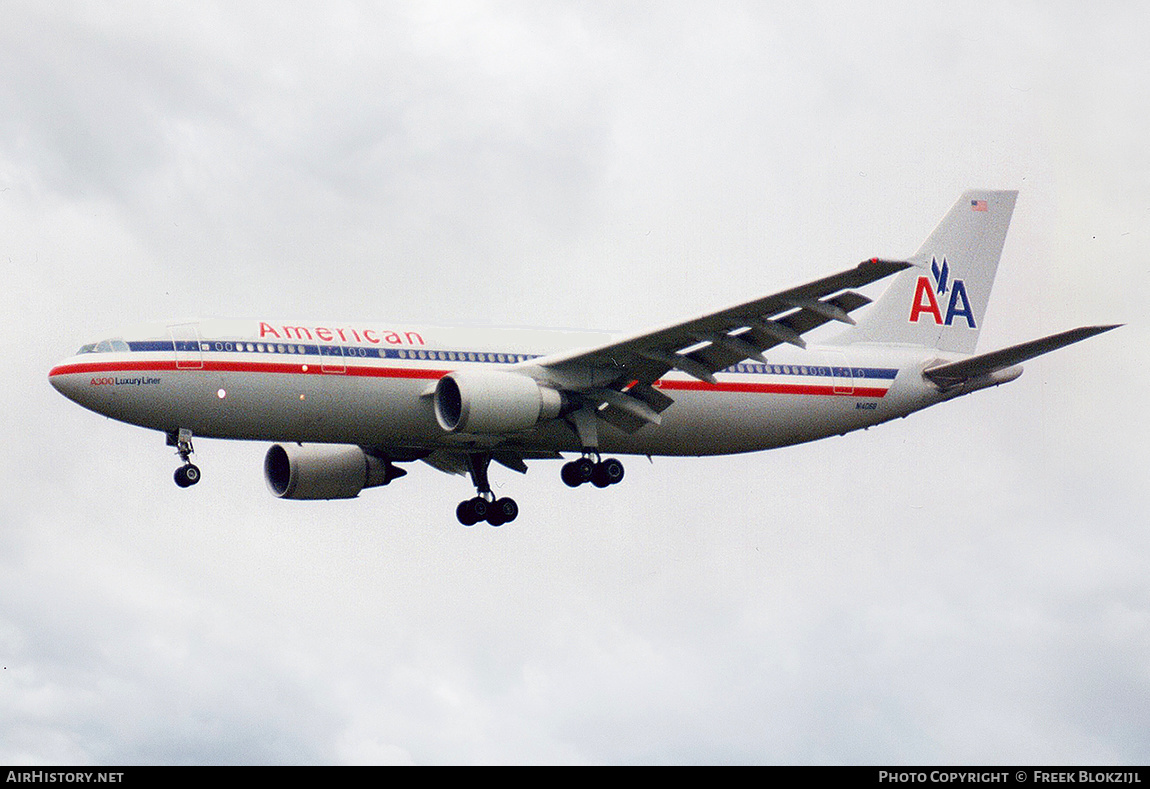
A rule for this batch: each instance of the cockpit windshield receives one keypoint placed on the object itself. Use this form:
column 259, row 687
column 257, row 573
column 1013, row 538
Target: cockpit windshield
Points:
column 104, row 346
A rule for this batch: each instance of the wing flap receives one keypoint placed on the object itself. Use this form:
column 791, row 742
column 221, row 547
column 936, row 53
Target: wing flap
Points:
column 451, row 461
column 702, row 354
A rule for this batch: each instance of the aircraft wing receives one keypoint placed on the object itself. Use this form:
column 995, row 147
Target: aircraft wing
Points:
column 617, row 377
column 952, row 374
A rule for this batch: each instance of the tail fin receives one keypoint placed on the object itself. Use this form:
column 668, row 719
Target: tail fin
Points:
column 940, row 301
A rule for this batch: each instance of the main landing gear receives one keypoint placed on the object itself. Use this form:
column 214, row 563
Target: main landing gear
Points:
column 484, row 507
column 599, row 473
column 187, row 474
column 590, row 468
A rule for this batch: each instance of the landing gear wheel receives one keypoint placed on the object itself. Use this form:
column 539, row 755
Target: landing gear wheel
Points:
column 601, row 474
column 484, row 507
column 608, row 472
column 472, row 511
column 464, row 514
column 480, row 507
column 577, row 472
column 187, row 475
column 502, row 511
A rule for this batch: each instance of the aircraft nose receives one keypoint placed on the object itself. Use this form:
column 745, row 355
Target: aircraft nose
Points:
column 64, row 382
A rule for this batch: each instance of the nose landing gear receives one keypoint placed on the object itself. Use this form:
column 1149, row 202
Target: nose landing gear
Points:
column 187, row 474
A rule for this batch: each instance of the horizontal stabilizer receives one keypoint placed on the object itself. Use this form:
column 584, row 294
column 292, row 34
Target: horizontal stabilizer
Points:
column 956, row 373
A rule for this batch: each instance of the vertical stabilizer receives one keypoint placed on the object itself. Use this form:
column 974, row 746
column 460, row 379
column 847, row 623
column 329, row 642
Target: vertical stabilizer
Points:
column 941, row 300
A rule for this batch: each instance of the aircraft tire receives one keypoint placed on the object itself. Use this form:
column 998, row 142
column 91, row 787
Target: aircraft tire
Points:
column 569, row 475
column 466, row 513
column 608, row 472
column 614, row 470
column 480, row 507
column 503, row 511
column 187, row 475
column 578, row 471
column 584, row 469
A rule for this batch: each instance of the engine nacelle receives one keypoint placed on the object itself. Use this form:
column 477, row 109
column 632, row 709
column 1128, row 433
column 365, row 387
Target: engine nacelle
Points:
column 493, row 401
column 324, row 471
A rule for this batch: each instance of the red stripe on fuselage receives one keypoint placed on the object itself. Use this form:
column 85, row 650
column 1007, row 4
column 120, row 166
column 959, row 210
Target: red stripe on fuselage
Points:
column 111, row 367
column 432, row 375
column 795, row 389
column 249, row 367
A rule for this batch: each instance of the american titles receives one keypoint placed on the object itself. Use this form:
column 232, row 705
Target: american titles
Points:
column 345, row 334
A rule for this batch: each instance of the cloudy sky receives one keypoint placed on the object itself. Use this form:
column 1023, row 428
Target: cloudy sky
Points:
column 966, row 585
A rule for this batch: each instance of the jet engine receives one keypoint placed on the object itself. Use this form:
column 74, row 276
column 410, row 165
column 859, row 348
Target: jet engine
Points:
column 324, row 471
column 492, row 401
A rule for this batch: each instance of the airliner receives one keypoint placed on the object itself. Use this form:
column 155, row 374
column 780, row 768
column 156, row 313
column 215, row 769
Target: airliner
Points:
column 346, row 403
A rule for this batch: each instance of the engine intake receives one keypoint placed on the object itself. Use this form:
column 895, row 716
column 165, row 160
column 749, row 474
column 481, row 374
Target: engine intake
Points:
column 490, row 401
column 326, row 471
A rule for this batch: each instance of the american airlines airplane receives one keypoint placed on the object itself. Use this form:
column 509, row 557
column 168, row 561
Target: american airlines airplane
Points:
column 347, row 402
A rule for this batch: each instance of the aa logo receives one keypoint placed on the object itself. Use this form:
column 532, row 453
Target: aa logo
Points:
column 926, row 303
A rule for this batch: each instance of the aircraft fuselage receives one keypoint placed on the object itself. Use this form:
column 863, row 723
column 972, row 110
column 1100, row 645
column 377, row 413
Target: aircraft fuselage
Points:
column 255, row 380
